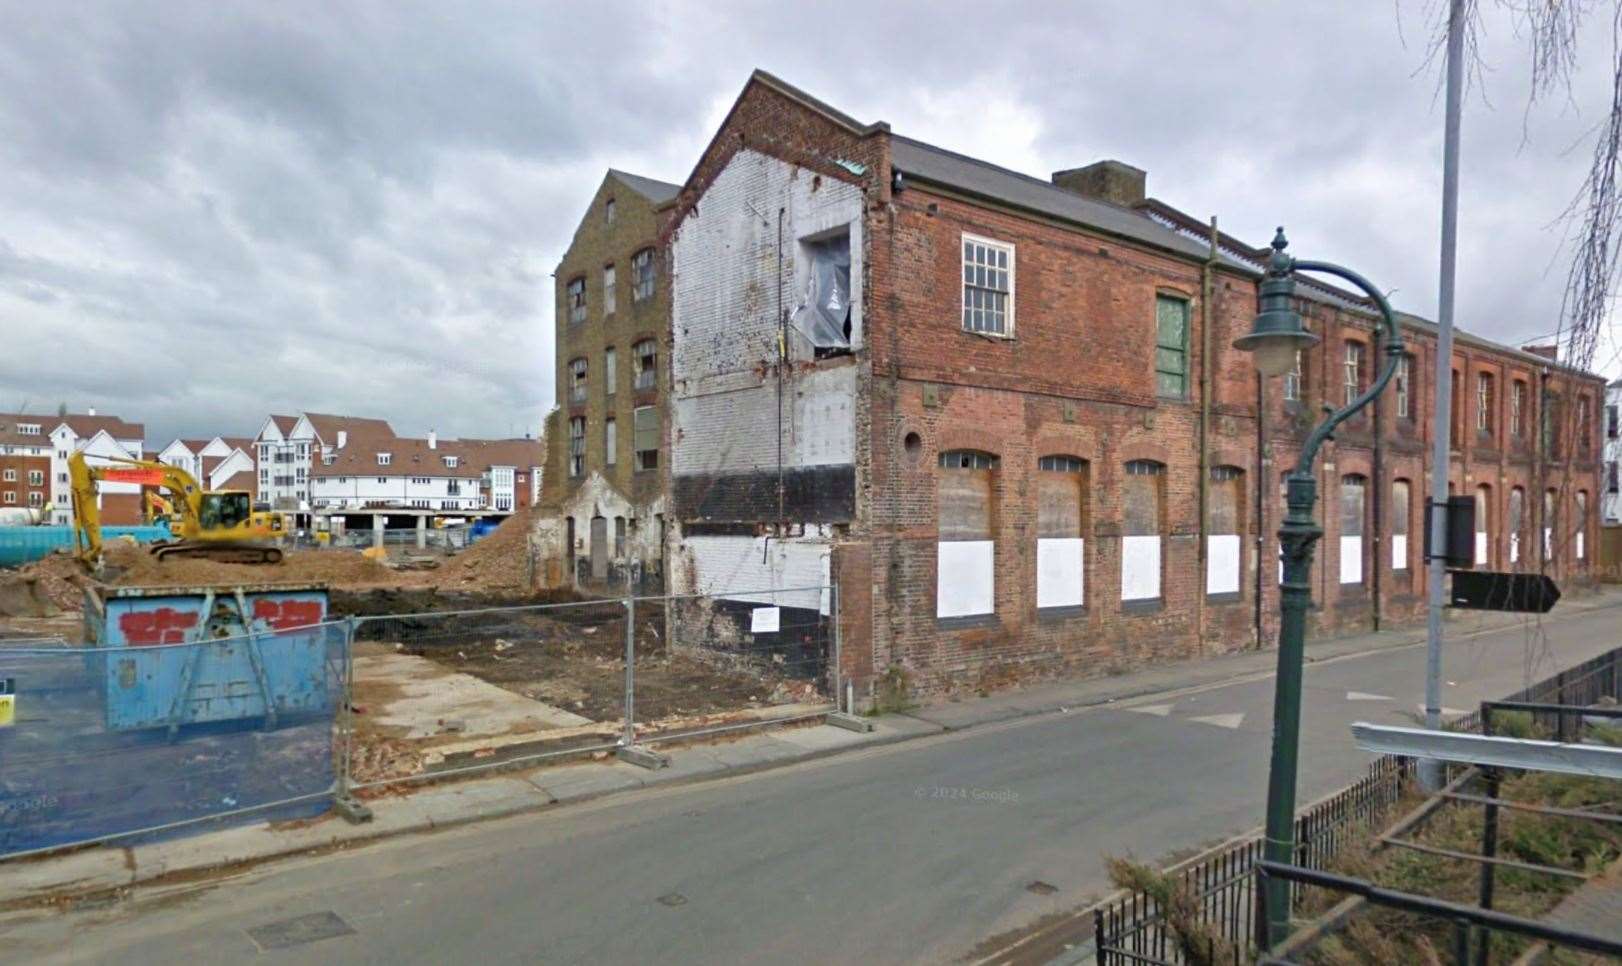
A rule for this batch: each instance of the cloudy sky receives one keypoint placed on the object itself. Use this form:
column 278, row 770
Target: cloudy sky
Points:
column 210, row 211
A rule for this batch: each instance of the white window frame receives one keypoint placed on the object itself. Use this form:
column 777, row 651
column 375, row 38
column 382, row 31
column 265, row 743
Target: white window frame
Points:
column 963, row 285
column 384, row 459
column 609, row 285
column 1483, row 401
column 1292, row 379
column 1404, row 384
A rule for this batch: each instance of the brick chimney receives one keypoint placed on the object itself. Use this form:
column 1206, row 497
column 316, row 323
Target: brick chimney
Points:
column 1111, row 181
column 1550, row 351
column 433, row 440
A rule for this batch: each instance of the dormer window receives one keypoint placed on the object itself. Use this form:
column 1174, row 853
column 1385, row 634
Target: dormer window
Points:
column 329, row 459
column 28, row 429
column 383, row 459
column 451, row 462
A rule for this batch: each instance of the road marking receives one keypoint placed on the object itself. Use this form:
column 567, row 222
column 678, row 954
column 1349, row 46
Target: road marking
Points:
column 1221, row 720
column 1446, row 712
column 1158, row 710
column 1365, row 696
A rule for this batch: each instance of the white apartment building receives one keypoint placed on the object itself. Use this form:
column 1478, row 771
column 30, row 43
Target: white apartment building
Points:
column 372, row 472
column 103, row 440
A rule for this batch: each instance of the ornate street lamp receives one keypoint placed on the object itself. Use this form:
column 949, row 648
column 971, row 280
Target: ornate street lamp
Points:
column 1274, row 339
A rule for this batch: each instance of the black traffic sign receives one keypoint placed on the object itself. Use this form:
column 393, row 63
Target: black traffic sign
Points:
column 1522, row 593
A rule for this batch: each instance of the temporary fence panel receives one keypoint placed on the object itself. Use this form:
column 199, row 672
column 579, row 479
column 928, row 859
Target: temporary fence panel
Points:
column 82, row 760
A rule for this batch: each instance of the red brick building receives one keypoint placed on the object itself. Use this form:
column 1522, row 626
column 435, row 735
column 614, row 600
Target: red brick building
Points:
column 25, row 462
column 1004, row 416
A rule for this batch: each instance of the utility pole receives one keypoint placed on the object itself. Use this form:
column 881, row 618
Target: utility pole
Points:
column 1441, row 454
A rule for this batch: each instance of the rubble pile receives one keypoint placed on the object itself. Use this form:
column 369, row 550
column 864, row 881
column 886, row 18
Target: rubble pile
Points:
column 129, row 565
column 44, row 587
column 498, row 561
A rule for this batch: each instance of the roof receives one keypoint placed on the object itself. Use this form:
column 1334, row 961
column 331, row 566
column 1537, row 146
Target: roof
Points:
column 86, row 426
column 657, row 192
column 985, row 180
column 243, row 443
column 194, row 444
column 10, row 436
column 410, row 456
column 328, row 426
column 284, row 424
column 240, row 480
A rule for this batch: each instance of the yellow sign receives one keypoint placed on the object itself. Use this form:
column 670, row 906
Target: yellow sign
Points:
column 8, row 710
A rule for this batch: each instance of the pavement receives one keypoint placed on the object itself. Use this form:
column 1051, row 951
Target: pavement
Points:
column 918, row 842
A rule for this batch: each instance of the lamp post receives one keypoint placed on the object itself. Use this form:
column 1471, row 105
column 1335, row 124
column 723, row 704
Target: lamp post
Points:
column 1274, row 339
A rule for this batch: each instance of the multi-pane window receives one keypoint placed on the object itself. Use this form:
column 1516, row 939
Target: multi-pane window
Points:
column 1611, row 417
column 1061, row 507
column 1517, row 409
column 1142, row 497
column 1292, row 378
column 11, row 496
column 610, row 441
column 988, row 286
column 1171, row 346
column 642, row 275
column 645, row 359
column 1484, row 402
column 577, row 380
column 1352, row 369
column 610, row 371
column 608, row 289
column 384, row 459
column 1405, row 383
column 608, row 211
column 36, row 477
column 1353, row 486
column 1401, row 509
column 577, row 446
column 11, row 476
column 36, row 500
column 577, row 301
column 1584, row 443
column 965, row 549
column 645, row 430
column 1224, row 523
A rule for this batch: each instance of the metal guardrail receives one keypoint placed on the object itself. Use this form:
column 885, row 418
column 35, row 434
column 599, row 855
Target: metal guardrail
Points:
column 1133, row 929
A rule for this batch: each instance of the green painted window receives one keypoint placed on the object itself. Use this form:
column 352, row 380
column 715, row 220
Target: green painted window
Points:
column 1171, row 346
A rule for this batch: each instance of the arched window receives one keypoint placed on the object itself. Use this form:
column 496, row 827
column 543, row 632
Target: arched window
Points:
column 1517, row 524
column 1061, row 528
column 1483, row 525
column 1401, row 512
column 1142, row 523
column 1353, row 486
column 1581, row 525
column 966, row 548
column 1224, row 523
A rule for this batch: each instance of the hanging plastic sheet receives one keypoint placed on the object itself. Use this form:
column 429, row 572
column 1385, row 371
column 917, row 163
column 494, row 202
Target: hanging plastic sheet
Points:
column 824, row 316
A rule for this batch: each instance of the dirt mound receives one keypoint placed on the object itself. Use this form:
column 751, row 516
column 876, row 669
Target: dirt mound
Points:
column 498, row 561
column 130, row 565
column 43, row 587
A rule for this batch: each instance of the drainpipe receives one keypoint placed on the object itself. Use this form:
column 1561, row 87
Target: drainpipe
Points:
column 782, row 360
column 1378, row 542
column 1207, row 319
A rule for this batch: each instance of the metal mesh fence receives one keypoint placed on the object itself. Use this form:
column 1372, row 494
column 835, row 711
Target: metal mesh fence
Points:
column 112, row 742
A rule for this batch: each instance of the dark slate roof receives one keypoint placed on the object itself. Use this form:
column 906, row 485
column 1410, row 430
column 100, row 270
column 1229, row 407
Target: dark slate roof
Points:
column 657, row 192
column 929, row 163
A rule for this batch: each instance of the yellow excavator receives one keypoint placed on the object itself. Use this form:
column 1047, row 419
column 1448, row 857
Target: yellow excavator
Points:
column 219, row 525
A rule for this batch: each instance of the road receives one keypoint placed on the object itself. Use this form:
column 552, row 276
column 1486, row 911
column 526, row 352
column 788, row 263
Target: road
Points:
column 915, row 852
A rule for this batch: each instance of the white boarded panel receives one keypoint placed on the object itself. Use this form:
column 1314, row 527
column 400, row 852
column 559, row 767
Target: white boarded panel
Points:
column 1514, row 548
column 1222, row 564
column 740, row 568
column 1548, row 544
column 1399, row 551
column 963, row 578
column 1059, row 572
column 1351, row 559
column 1580, row 549
column 1481, row 547
column 1140, row 568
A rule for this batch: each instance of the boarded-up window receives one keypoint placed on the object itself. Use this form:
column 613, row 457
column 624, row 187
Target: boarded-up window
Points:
column 1353, row 487
column 645, row 437
column 577, row 445
column 1582, row 525
column 619, row 536
column 1142, row 501
column 1225, row 503
column 611, row 441
column 1401, row 510
column 1517, row 524
column 1061, row 509
column 1483, row 518
column 965, row 550
column 1551, row 499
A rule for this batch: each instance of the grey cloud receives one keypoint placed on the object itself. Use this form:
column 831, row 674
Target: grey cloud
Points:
column 211, row 211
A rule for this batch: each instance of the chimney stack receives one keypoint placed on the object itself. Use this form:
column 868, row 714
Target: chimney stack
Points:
column 1112, row 181
column 433, row 440
column 91, row 411
column 1550, row 351
column 343, row 438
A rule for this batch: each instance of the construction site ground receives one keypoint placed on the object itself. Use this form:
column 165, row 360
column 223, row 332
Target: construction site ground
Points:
column 447, row 673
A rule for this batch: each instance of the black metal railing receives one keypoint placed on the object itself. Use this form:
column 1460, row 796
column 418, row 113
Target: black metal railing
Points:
column 1219, row 905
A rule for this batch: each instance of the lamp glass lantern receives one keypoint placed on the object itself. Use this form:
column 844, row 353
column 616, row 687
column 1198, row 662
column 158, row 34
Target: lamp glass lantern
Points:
column 1278, row 333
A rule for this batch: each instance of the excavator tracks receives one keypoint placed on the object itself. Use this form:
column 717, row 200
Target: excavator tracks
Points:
column 233, row 554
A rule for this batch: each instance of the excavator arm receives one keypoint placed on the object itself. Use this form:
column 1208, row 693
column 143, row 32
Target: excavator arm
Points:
column 185, row 496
